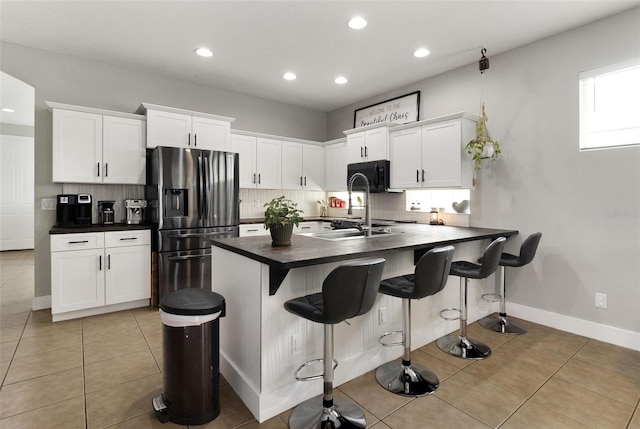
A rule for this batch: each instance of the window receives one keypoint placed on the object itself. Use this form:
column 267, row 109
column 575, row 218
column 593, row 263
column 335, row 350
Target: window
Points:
column 610, row 106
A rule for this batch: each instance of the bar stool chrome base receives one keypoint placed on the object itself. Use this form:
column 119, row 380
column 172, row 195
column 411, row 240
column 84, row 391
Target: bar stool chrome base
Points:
column 463, row 347
column 414, row 380
column 501, row 325
column 311, row 414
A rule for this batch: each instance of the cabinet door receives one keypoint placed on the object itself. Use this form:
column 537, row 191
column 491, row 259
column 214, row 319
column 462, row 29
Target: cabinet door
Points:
column 405, row 150
column 292, row 175
column 77, row 280
column 335, row 167
column 355, row 147
column 77, row 147
column 123, row 150
column 312, row 167
column 245, row 146
column 210, row 134
column 376, row 144
column 168, row 129
column 441, row 147
column 128, row 274
column 268, row 163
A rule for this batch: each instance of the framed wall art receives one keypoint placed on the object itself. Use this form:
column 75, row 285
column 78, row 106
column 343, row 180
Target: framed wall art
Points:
column 399, row 110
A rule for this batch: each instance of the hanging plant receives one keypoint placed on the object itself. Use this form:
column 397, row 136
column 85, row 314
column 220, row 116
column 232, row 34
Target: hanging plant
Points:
column 482, row 147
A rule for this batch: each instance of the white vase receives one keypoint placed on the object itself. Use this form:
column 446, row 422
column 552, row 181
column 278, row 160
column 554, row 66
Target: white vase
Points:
column 487, row 151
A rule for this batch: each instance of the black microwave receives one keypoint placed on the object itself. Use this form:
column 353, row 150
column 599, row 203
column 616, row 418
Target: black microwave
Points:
column 377, row 172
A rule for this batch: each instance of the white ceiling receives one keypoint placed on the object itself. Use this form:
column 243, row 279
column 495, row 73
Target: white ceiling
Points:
column 256, row 42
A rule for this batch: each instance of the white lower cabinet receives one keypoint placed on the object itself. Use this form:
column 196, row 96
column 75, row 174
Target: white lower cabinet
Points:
column 99, row 272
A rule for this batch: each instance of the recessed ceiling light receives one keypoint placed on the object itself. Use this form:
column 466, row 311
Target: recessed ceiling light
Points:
column 204, row 52
column 289, row 76
column 340, row 80
column 357, row 23
column 7, row 109
column 421, row 53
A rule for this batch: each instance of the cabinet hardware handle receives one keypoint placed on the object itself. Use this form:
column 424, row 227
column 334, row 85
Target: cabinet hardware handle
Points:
column 78, row 242
column 417, row 175
column 106, row 169
column 422, row 176
column 258, row 178
column 300, row 180
column 305, row 227
column 252, row 230
column 305, row 180
column 189, row 139
column 195, row 140
column 128, row 238
column 361, row 152
column 108, row 262
column 254, row 178
column 366, row 152
column 98, row 169
column 99, row 262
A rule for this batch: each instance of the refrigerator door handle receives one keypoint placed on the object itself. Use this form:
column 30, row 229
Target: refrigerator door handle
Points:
column 185, row 258
column 205, row 190
column 200, row 190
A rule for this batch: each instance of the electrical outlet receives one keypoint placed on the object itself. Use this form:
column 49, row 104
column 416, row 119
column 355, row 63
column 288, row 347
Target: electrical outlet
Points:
column 601, row 300
column 296, row 343
column 382, row 316
column 48, row 204
column 256, row 204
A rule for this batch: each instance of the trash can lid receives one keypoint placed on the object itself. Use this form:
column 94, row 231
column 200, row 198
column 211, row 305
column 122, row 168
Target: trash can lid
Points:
column 192, row 301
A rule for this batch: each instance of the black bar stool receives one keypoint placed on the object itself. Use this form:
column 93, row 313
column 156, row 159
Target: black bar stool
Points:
column 460, row 345
column 349, row 290
column 500, row 324
column 430, row 277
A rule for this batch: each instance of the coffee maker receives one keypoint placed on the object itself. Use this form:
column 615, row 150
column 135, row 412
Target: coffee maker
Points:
column 73, row 210
column 106, row 212
column 134, row 210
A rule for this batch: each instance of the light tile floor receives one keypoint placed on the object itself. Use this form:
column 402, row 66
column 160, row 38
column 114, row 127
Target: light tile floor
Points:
column 101, row 372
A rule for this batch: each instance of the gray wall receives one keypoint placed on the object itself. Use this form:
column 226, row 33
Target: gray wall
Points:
column 72, row 80
column 587, row 205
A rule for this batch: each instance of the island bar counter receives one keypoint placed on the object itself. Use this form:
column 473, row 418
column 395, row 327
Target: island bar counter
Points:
column 261, row 344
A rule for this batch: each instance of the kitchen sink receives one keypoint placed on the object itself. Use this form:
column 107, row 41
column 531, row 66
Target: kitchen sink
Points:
column 349, row 234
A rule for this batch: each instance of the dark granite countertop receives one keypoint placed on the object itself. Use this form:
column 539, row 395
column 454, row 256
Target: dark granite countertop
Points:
column 97, row 228
column 305, row 251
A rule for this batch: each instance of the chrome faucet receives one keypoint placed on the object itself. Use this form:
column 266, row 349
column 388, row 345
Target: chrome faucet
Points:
column 367, row 207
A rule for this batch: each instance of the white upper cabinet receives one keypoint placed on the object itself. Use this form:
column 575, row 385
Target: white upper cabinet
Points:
column 335, row 167
column 167, row 126
column 432, row 155
column 92, row 147
column 260, row 161
column 370, row 143
column 302, row 166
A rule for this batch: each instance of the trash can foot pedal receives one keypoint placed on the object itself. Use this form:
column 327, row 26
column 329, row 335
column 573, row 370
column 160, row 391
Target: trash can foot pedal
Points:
column 160, row 408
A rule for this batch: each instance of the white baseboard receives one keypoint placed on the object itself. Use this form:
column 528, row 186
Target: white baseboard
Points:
column 597, row 331
column 41, row 302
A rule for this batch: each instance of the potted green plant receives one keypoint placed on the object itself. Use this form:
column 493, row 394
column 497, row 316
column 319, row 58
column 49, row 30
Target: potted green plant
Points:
column 482, row 147
column 279, row 218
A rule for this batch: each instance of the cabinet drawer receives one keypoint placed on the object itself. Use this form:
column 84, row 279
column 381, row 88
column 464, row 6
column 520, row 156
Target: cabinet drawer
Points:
column 249, row 230
column 83, row 241
column 127, row 238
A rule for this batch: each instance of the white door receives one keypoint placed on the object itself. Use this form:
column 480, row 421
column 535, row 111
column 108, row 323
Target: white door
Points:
column 313, row 167
column 355, row 147
column 441, row 146
column 245, row 146
column 376, row 143
column 77, row 280
column 406, row 166
column 77, row 147
column 268, row 163
column 128, row 274
column 16, row 192
column 168, row 129
column 123, row 150
column 210, row 134
column 335, row 167
column 292, row 165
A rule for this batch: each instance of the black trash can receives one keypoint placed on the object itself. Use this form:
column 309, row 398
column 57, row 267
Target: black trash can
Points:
column 191, row 354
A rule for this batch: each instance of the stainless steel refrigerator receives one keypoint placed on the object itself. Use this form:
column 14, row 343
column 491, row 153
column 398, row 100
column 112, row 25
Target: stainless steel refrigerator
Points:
column 192, row 197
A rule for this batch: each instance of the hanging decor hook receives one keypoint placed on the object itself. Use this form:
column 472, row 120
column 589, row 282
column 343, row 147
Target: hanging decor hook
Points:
column 483, row 64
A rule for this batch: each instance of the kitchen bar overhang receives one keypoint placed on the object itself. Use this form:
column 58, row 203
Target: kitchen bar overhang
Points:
column 306, row 251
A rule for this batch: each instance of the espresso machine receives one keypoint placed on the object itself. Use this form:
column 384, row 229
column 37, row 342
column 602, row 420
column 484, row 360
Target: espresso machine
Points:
column 134, row 210
column 106, row 212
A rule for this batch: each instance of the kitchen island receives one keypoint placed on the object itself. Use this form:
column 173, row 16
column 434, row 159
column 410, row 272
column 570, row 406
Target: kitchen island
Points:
column 261, row 344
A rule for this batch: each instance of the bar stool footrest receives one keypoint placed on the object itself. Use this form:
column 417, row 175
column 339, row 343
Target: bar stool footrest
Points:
column 443, row 313
column 492, row 297
column 312, row 377
column 387, row 334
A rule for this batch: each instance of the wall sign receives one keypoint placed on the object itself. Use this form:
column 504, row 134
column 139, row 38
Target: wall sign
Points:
column 399, row 110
